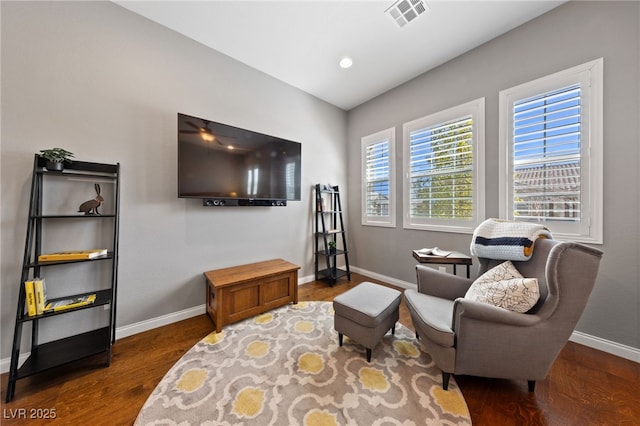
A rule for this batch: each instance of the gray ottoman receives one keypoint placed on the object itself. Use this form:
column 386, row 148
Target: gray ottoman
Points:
column 365, row 314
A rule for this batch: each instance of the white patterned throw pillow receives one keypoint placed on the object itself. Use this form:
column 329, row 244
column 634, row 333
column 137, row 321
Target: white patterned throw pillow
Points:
column 505, row 287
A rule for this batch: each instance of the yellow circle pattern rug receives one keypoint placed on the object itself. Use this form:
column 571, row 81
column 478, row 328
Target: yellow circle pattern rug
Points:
column 285, row 368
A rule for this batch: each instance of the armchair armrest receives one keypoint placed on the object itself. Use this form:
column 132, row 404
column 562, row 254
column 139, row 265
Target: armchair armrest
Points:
column 441, row 284
column 496, row 342
column 465, row 309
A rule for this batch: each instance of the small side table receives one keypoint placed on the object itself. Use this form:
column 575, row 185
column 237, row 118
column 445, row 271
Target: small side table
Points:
column 455, row 258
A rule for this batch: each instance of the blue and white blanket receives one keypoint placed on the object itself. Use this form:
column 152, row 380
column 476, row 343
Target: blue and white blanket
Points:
column 506, row 240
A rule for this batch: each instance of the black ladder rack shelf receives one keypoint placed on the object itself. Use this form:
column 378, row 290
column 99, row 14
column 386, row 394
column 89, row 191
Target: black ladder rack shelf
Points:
column 67, row 348
column 330, row 235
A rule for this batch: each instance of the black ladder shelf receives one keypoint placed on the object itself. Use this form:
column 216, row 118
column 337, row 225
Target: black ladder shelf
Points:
column 330, row 235
column 68, row 348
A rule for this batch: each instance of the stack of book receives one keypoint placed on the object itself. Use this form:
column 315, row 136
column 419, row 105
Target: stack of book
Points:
column 36, row 296
column 72, row 255
column 72, row 302
column 37, row 304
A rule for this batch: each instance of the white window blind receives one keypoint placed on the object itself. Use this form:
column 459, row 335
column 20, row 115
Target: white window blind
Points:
column 441, row 170
column 546, row 156
column 444, row 169
column 378, row 202
column 551, row 152
column 377, row 177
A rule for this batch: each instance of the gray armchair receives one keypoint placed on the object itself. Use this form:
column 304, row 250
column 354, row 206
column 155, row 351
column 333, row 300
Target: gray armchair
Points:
column 468, row 337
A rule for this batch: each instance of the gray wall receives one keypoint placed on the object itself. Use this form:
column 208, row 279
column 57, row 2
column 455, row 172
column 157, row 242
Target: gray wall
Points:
column 106, row 84
column 569, row 35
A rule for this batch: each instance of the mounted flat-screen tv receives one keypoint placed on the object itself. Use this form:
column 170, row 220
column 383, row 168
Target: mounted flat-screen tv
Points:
column 227, row 165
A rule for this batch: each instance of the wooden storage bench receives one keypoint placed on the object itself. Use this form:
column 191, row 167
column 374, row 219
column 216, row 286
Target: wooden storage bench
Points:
column 243, row 291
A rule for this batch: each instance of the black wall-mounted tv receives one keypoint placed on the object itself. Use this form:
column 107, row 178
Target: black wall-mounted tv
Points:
column 226, row 165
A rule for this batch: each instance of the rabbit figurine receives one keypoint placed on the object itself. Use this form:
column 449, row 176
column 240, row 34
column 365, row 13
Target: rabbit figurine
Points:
column 91, row 206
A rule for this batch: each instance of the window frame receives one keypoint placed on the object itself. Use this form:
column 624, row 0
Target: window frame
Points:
column 388, row 135
column 476, row 109
column 590, row 76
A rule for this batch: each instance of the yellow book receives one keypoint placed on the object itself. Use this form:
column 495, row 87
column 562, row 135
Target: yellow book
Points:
column 72, row 302
column 40, row 293
column 72, row 255
column 31, row 298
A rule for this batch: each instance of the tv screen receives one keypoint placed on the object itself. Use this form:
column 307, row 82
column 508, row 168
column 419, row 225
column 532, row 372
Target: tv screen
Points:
column 219, row 161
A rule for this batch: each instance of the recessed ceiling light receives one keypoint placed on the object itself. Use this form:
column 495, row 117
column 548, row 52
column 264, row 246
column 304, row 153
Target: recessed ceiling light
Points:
column 346, row 62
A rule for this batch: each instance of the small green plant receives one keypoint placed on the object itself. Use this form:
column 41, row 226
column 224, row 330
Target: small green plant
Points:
column 56, row 155
column 332, row 245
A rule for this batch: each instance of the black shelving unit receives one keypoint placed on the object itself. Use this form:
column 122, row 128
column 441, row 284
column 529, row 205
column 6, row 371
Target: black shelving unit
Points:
column 44, row 356
column 330, row 235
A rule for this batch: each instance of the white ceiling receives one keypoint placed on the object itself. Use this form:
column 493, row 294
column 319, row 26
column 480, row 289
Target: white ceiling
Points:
column 301, row 42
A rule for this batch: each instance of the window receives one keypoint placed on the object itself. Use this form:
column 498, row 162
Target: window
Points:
column 378, row 183
column 444, row 169
column 551, row 152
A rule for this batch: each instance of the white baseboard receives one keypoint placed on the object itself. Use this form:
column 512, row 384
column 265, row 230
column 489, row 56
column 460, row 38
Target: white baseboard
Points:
column 307, row 279
column 380, row 277
column 608, row 346
column 5, row 363
column 594, row 342
column 150, row 324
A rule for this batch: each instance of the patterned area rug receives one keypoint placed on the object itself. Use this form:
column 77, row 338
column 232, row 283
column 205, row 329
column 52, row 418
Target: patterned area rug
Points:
column 285, row 368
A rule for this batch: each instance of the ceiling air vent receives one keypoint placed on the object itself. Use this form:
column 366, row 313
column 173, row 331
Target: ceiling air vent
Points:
column 405, row 11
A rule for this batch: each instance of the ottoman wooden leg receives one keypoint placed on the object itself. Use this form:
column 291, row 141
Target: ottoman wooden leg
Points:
column 340, row 339
column 368, row 355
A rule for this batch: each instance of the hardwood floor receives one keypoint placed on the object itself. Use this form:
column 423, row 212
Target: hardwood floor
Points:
column 584, row 387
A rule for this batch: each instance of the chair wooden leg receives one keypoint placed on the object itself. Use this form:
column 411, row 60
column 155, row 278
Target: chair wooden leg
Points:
column 340, row 339
column 393, row 329
column 532, row 385
column 445, row 380
column 368, row 355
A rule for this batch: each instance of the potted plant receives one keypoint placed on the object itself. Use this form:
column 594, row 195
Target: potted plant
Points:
column 332, row 247
column 55, row 158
